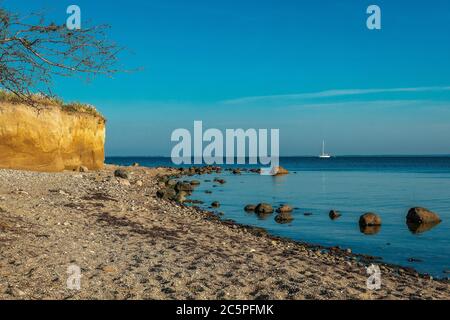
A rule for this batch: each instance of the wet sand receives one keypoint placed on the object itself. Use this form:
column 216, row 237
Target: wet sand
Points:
column 130, row 244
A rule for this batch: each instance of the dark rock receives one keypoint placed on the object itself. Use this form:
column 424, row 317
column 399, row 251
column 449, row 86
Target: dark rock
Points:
column 369, row 219
column 250, row 208
column 264, row 208
column 120, row 173
column 421, row 215
column 414, row 260
column 221, row 181
column 208, row 191
column 307, row 214
column 215, row 204
column 236, row 171
column 334, row 214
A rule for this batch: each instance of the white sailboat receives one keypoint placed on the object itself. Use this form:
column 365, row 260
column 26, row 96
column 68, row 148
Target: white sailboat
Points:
column 324, row 155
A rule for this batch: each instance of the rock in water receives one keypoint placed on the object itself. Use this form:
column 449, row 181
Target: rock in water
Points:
column 263, row 208
column 369, row 220
column 120, row 173
column 281, row 171
column 215, row 204
column 250, row 208
column 334, row 214
column 422, row 216
column 135, row 164
column 195, row 183
column 285, row 208
column 284, row 217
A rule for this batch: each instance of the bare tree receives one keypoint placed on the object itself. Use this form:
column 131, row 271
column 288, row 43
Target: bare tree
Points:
column 33, row 51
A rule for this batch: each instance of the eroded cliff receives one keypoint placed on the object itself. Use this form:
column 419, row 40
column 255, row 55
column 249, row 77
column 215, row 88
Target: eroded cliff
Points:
column 50, row 138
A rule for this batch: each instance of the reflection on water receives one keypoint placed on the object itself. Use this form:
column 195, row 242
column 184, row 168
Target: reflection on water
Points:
column 369, row 230
column 417, row 228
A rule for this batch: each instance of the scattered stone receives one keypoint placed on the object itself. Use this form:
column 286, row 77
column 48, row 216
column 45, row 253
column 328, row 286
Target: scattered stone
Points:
column 264, row 208
column 139, row 183
column 221, row 181
column 183, row 186
column 236, row 171
column 120, row 173
column 250, row 208
column 369, row 219
column 167, row 194
column 124, row 182
column 281, row 171
column 334, row 214
column 422, row 216
column 135, row 164
column 215, row 204
column 285, row 208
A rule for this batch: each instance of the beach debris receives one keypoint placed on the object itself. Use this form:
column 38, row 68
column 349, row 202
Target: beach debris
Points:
column 250, row 208
column 264, row 208
column 420, row 215
column 334, row 214
column 369, row 219
column 120, row 173
column 284, row 217
column 284, row 208
column 215, row 204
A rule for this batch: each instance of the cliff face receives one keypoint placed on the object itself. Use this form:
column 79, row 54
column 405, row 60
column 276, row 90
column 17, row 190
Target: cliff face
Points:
column 50, row 139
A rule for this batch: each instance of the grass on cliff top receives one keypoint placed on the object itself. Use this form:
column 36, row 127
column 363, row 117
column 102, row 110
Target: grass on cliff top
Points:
column 40, row 100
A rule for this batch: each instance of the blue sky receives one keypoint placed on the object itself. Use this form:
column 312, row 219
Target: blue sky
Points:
column 310, row 68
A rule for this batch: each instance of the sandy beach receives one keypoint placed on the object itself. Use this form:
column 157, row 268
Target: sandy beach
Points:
column 130, row 244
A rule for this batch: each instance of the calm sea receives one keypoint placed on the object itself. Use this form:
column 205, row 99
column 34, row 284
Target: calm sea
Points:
column 388, row 186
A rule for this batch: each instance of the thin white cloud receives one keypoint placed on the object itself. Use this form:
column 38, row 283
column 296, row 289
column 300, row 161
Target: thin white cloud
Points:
column 330, row 93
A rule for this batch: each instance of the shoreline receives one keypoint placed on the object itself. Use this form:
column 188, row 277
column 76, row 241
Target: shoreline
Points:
column 132, row 245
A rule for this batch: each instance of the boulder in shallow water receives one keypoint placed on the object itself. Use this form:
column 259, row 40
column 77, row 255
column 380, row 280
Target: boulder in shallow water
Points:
column 369, row 219
column 334, row 214
column 281, row 171
column 264, row 208
column 285, row 208
column 215, row 204
column 420, row 215
column 250, row 208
